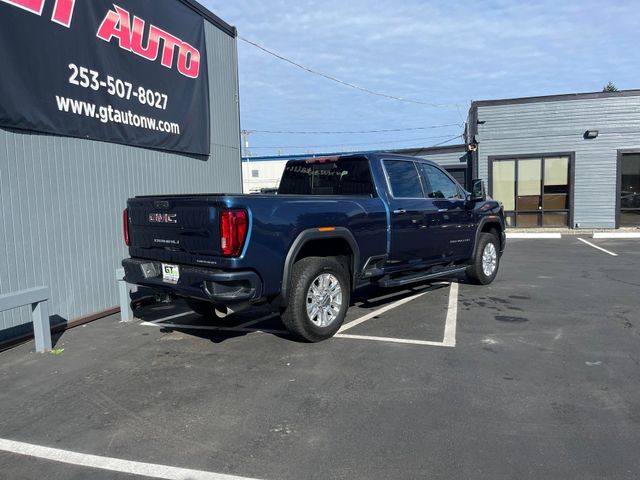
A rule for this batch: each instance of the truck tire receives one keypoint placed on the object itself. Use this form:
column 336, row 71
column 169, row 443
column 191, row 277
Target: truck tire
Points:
column 486, row 261
column 318, row 299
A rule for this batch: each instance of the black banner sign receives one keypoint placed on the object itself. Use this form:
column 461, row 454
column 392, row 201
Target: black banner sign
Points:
column 131, row 72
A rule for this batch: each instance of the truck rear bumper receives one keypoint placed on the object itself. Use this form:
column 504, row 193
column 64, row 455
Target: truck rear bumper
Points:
column 218, row 286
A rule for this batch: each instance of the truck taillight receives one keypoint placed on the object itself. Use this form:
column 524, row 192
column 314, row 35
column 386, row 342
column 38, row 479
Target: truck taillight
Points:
column 233, row 232
column 125, row 226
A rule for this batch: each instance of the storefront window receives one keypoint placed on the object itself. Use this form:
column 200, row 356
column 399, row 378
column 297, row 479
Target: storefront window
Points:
column 504, row 186
column 534, row 191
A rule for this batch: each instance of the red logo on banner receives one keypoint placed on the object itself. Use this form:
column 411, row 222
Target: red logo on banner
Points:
column 130, row 35
column 62, row 11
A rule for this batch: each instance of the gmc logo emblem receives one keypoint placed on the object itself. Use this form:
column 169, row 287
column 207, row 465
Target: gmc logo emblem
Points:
column 163, row 218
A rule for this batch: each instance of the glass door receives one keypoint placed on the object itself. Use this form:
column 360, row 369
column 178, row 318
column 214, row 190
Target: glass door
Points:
column 555, row 202
column 630, row 190
column 529, row 193
column 534, row 191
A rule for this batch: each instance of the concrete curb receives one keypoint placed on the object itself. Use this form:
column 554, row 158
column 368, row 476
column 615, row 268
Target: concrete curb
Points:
column 616, row 235
column 534, row 235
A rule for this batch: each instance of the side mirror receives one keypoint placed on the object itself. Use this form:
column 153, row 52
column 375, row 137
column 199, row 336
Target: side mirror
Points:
column 478, row 193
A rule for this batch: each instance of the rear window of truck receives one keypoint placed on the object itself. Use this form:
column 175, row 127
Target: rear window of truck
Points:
column 350, row 176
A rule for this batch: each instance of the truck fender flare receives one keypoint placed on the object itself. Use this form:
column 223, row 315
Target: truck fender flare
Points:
column 317, row 234
column 484, row 221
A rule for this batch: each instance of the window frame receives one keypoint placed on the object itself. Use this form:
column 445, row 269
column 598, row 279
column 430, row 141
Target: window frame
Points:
column 620, row 154
column 427, row 183
column 388, row 178
column 534, row 156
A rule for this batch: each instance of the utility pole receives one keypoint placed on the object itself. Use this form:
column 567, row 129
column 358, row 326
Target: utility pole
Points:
column 245, row 146
column 245, row 142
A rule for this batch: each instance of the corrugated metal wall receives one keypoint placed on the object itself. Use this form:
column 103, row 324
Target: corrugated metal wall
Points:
column 558, row 126
column 61, row 199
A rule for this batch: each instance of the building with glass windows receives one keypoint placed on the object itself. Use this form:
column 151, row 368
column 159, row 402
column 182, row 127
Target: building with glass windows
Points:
column 567, row 161
column 560, row 161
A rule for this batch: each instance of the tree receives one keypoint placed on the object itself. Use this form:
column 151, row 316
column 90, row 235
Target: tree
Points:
column 610, row 87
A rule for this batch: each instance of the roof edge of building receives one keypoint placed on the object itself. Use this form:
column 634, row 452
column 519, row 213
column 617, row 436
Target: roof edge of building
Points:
column 212, row 17
column 461, row 147
column 555, row 98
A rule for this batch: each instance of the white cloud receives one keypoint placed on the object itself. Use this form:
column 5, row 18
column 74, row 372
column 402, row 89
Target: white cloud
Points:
column 436, row 51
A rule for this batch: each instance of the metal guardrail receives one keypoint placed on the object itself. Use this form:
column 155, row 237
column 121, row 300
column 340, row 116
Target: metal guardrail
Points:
column 37, row 298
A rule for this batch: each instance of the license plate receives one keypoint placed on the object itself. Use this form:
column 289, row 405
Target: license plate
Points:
column 170, row 273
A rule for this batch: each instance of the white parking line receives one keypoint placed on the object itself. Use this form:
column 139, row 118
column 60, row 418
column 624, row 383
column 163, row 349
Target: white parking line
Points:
column 392, row 340
column 246, row 324
column 599, row 248
column 452, row 317
column 112, row 464
column 178, row 315
column 449, row 339
column 211, row 327
column 380, row 311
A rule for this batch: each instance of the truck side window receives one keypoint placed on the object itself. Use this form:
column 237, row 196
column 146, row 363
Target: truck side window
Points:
column 438, row 184
column 404, row 179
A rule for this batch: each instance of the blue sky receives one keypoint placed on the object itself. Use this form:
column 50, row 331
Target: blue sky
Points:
column 442, row 52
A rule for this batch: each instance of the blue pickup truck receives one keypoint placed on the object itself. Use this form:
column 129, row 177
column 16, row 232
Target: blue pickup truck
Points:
column 335, row 224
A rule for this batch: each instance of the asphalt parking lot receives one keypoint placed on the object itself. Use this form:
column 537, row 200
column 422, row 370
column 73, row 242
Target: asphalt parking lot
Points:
column 535, row 376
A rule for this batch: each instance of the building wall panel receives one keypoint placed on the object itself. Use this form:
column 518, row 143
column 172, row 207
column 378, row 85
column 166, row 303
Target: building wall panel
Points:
column 61, row 199
column 558, row 126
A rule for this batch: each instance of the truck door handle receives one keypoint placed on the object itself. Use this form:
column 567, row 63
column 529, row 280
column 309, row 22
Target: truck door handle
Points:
column 400, row 211
column 442, row 210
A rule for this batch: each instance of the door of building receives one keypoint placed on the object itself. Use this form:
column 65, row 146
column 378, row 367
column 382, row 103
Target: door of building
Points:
column 629, row 192
column 535, row 190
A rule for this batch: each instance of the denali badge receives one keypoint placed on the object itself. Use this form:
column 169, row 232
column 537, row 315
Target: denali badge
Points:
column 166, row 242
column 163, row 218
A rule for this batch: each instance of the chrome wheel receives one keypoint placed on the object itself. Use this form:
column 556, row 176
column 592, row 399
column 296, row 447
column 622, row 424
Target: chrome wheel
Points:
column 324, row 300
column 489, row 259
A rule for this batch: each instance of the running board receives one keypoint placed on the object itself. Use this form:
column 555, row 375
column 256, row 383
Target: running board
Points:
column 417, row 277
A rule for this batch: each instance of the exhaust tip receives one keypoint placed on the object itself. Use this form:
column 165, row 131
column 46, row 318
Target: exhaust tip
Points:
column 223, row 311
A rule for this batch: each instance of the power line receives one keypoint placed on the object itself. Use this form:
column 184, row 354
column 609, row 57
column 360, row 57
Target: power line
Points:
column 347, row 84
column 446, row 141
column 356, row 131
column 367, row 143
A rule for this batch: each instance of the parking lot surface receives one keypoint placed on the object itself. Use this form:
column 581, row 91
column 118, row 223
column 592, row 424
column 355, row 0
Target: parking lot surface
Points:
column 534, row 376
